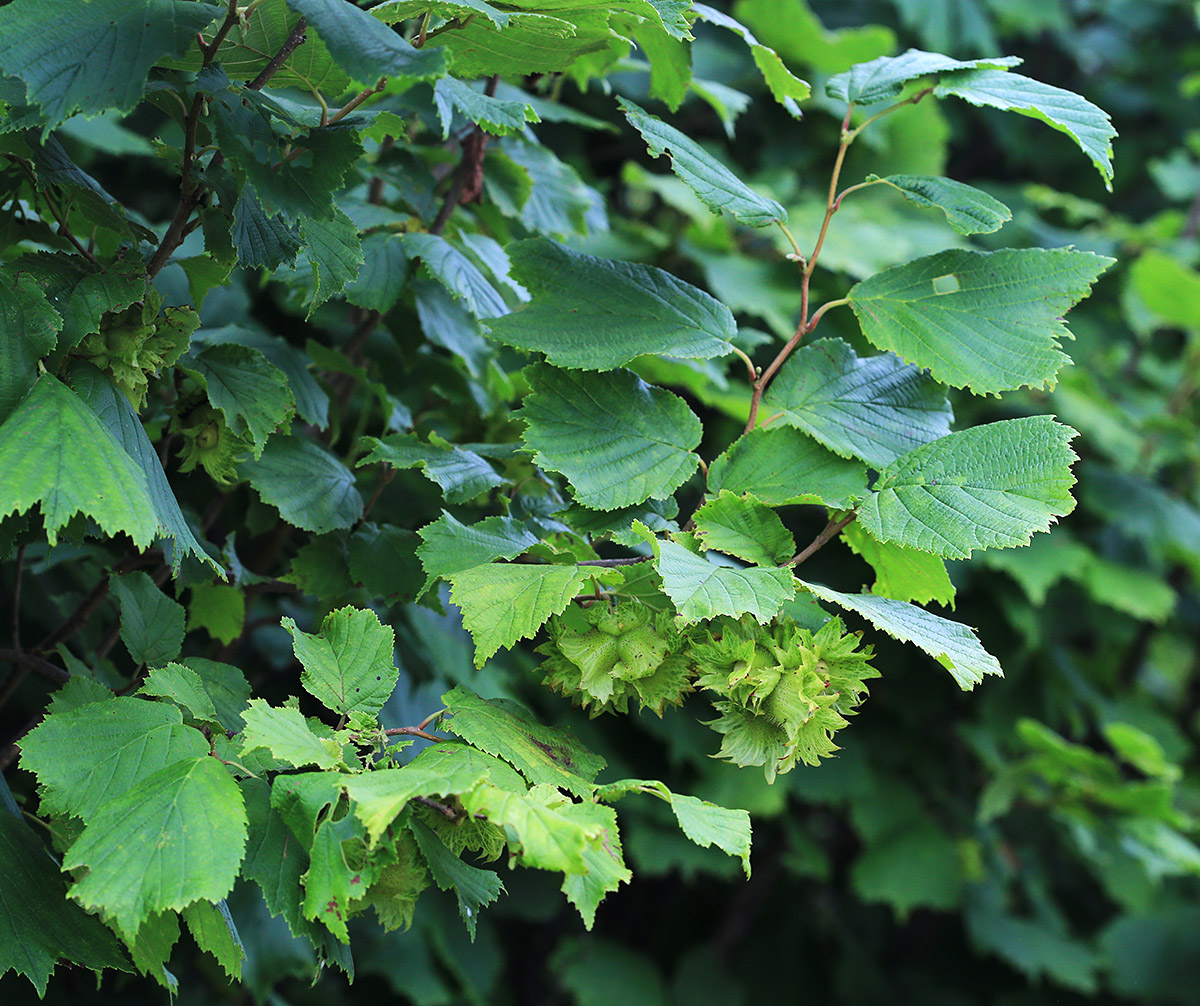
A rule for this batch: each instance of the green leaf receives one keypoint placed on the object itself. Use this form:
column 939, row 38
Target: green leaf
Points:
column 274, row 860
column 251, row 392
column 457, row 273
column 605, row 862
column 333, row 253
column 504, row 602
column 714, row 183
column 54, row 451
column 913, row 867
column 952, row 644
column 340, row 870
column 780, row 465
column 670, row 65
column 349, row 664
column 29, row 329
column 987, row 321
column 991, row 486
column 968, row 210
column 176, row 838
column 546, row 838
column 96, row 56
column 496, row 116
column 707, row 824
column 441, row 770
column 213, row 930
column 113, row 409
column 617, row 439
column 701, row 590
column 311, row 488
column 904, row 574
column 462, row 475
column 90, row 756
column 383, row 559
column 786, row 88
column 875, row 408
column 383, row 276
column 742, row 526
column 365, row 47
column 226, row 686
column 1167, row 287
column 260, row 238
column 553, row 199
column 151, row 622
column 450, row 546
column 886, row 76
column 219, row 609
column 1086, row 124
column 38, row 925
column 597, row 314
column 81, row 292
column 529, row 43
column 181, row 685
column 285, row 733
column 541, row 753
column 474, row 888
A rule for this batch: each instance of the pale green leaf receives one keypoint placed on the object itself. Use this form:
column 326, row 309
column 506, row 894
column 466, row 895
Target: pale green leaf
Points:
column 39, row 926
column 786, row 88
column 217, row 608
column 176, row 838
column 987, row 321
column 1138, row 592
column 742, row 526
column 545, row 838
column 461, row 474
column 779, row 464
column 904, row 574
column 504, row 602
column 617, row 439
column 875, row 408
column 542, row 754
column 968, row 210
column 886, row 76
column 1088, row 125
column 605, row 861
column 54, row 451
column 392, row 11
column 181, row 685
column 952, row 644
column 91, row 755
column 226, row 685
column 349, row 664
column 701, row 590
column 597, row 314
column 87, row 57
column 365, row 47
column 529, row 43
column 707, row 824
column 213, row 929
column 457, row 273
column 251, row 392
column 715, row 184
column 1167, row 287
column 917, row 866
column 450, row 546
column 474, row 888
column 991, row 486
column 286, row 734
column 151, row 623
column 311, row 488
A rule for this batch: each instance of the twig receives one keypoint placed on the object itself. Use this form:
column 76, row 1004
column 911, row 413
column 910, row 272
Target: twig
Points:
column 831, row 531
column 16, row 603
column 614, row 562
column 441, row 808
column 36, row 663
column 298, row 34
column 83, row 611
column 357, row 100
column 389, row 473
column 429, row 719
column 413, row 731
column 64, row 229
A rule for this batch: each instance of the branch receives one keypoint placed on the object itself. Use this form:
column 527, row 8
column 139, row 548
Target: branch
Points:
column 16, row 605
column 412, row 731
column 830, row 531
column 83, row 611
column 441, row 808
column 35, row 663
column 614, row 562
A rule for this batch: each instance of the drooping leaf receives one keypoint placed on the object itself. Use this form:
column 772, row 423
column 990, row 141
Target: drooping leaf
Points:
column 542, row 754
column 39, row 926
column 251, row 392
column 715, row 184
column 260, row 238
column 284, row 732
column 617, row 440
column 152, row 624
column 707, row 824
column 597, row 314
column 93, row 56
column 904, row 574
column 89, row 756
column 968, row 210
column 54, row 451
column 1086, row 124
column 365, row 47
column 226, row 685
column 987, row 321
column 497, row 116
column 457, row 273
column 348, row 665
column 991, row 486
column 875, row 408
column 742, row 526
column 213, row 929
column 474, row 888
column 383, row 275
column 886, row 76
column 461, row 474
column 605, row 861
column 952, row 644
column 543, row 192
column 29, row 329
column 311, row 488
column 786, row 88
column 546, row 838
column 450, row 546
column 504, row 602
column 274, row 861
column 181, row 685
column 176, row 838
column 333, row 253
column 779, row 465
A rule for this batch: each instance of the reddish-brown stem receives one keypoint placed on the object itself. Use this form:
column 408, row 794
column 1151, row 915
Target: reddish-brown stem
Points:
column 441, row 808
column 830, row 531
column 412, row 731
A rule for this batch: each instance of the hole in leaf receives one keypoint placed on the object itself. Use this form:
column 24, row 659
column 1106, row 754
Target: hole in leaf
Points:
column 945, row 284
